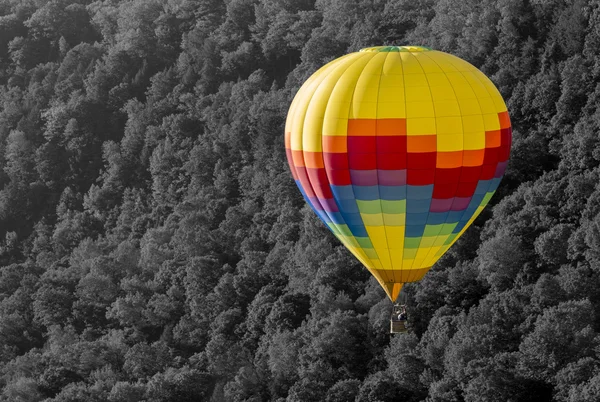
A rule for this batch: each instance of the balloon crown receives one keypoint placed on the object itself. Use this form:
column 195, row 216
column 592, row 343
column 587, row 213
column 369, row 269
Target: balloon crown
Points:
column 411, row 49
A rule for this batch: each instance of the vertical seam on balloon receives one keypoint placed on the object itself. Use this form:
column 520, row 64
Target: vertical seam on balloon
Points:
column 405, row 166
column 484, row 86
column 433, row 185
column 506, row 109
column 322, row 145
column 318, row 202
column 381, row 272
column 322, row 148
column 475, row 214
column 309, row 81
column 329, row 182
column 348, row 160
column 463, row 135
column 293, row 110
column 377, row 165
column 332, row 228
column 431, row 254
column 463, row 147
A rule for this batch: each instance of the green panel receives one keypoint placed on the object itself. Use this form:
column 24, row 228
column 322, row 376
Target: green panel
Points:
column 369, row 207
column 487, row 197
column 343, row 229
column 412, row 242
column 364, row 242
column 447, row 228
column 440, row 241
column 371, row 253
column 432, row 230
column 450, row 239
column 410, row 253
column 394, row 219
column 393, row 207
column 372, row 219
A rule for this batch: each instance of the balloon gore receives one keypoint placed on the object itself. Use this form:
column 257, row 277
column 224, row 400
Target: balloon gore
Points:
column 398, row 149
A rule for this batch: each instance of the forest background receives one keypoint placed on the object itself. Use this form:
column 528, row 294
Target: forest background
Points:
column 154, row 246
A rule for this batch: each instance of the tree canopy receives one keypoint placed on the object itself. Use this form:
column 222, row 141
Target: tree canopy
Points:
column 153, row 245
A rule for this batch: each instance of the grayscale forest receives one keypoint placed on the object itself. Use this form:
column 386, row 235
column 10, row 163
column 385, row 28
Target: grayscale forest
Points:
column 154, row 246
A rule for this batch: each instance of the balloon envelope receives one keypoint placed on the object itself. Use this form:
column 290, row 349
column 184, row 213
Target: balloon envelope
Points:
column 398, row 149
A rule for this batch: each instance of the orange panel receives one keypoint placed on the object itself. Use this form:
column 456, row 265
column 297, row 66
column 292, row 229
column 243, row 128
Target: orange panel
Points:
column 313, row 159
column 388, row 127
column 392, row 289
column 335, row 143
column 504, row 120
column 449, row 159
column 473, row 157
column 298, row 158
column 362, row 127
column 421, row 143
column 492, row 138
column 401, row 276
column 288, row 140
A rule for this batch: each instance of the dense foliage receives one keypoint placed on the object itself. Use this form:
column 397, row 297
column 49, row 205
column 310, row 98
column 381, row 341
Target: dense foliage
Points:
column 154, row 246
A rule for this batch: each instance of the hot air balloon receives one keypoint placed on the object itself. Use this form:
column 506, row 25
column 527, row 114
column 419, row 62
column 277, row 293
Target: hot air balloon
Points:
column 398, row 149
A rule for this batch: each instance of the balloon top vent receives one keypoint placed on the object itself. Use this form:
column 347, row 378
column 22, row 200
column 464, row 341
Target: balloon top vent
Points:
column 411, row 49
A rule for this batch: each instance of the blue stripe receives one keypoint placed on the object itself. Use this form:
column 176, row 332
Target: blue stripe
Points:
column 417, row 219
column 454, row 216
column 459, row 227
column 323, row 216
column 414, row 231
column 437, row 218
column 494, row 184
column 417, row 206
column 353, row 219
column 469, row 212
column 476, row 200
column 392, row 193
column 482, row 186
column 366, row 193
column 358, row 231
column 347, row 206
column 342, row 192
column 337, row 218
column 419, row 192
